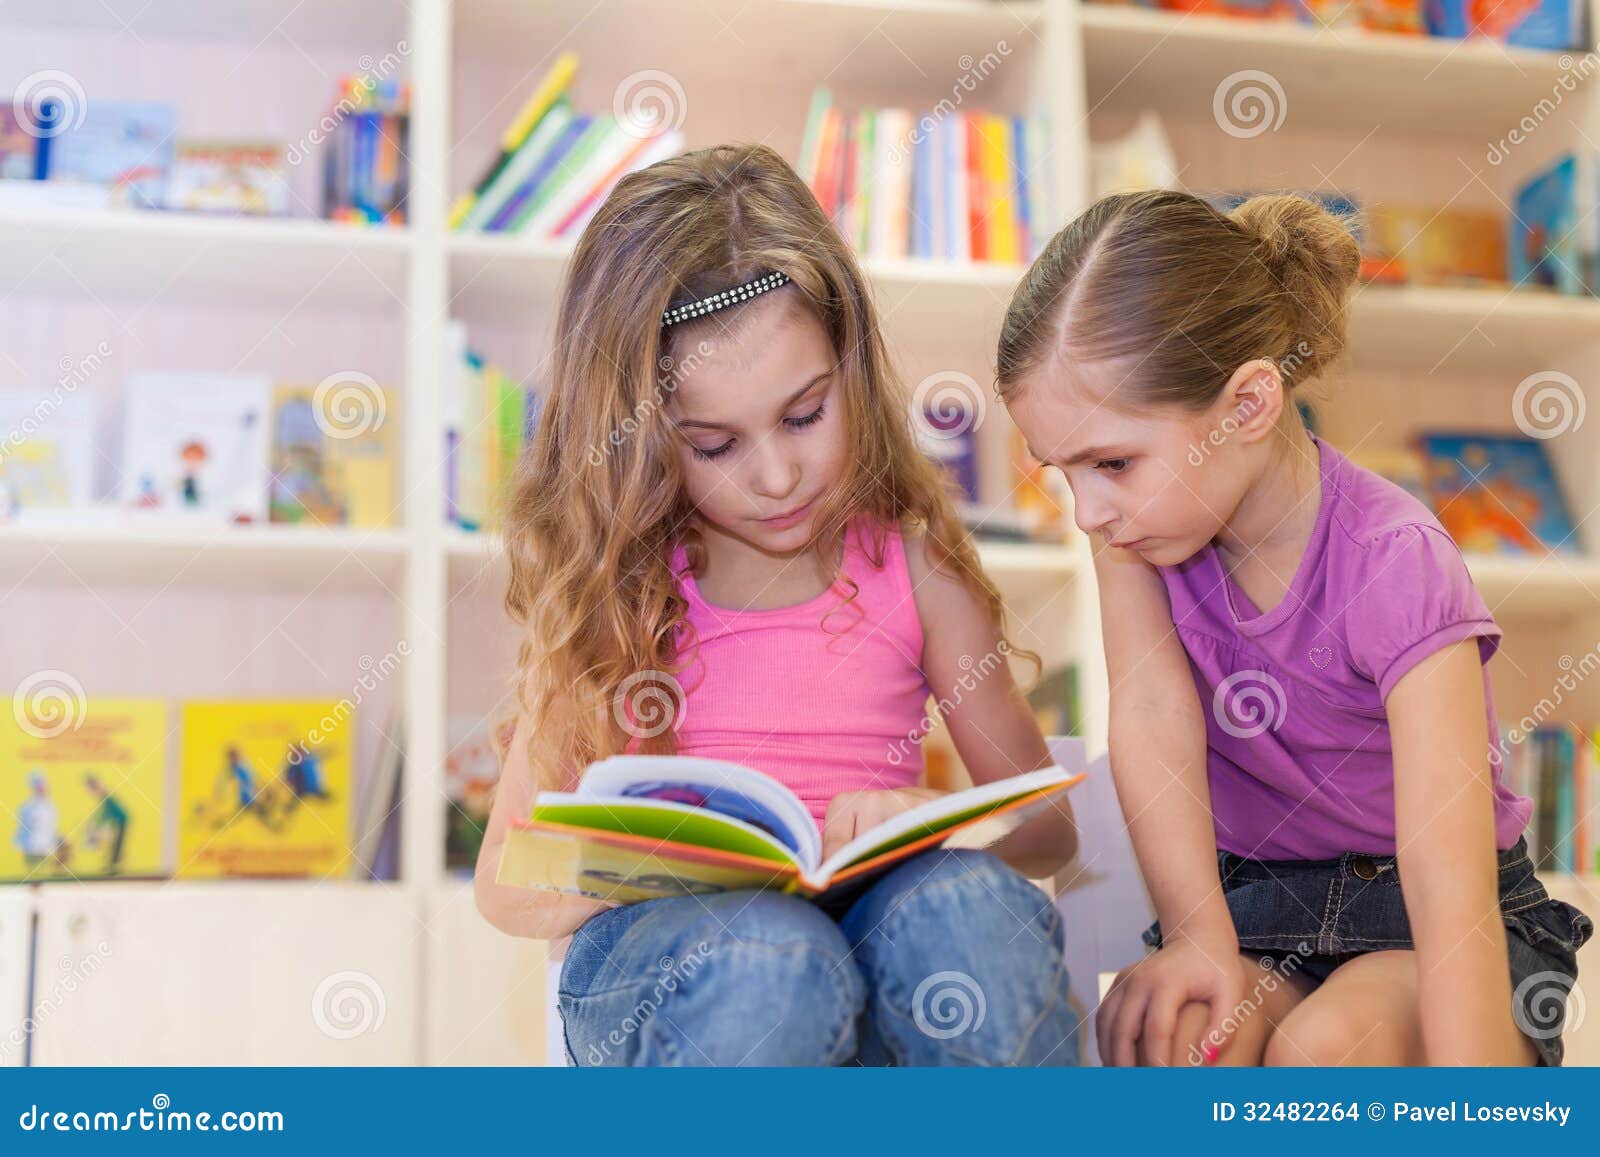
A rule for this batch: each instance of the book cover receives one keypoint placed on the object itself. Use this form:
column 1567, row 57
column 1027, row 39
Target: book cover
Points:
column 47, row 458
column 1497, row 494
column 248, row 178
column 123, row 146
column 471, row 770
column 195, row 446
column 1555, row 241
column 333, row 459
column 18, row 148
column 85, row 786
column 1432, row 246
column 265, row 789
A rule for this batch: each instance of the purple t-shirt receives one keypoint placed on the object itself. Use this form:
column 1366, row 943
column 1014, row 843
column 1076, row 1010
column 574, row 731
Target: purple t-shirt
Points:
column 1298, row 750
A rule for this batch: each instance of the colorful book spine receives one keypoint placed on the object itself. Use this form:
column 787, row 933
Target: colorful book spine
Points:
column 550, row 89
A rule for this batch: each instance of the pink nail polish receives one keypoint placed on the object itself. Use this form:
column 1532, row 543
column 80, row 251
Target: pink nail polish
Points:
column 1209, row 1051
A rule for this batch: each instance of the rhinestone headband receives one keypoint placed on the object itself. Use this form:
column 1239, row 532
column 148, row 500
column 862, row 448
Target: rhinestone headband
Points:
column 724, row 299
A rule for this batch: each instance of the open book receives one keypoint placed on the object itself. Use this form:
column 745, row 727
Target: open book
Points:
column 641, row 827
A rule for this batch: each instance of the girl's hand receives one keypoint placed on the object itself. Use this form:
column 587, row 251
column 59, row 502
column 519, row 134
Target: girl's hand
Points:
column 1136, row 1020
column 852, row 812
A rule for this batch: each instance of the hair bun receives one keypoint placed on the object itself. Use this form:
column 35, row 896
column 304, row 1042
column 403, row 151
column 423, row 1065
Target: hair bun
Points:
column 1315, row 259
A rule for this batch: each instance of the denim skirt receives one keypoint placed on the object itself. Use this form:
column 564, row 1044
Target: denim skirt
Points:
column 1322, row 913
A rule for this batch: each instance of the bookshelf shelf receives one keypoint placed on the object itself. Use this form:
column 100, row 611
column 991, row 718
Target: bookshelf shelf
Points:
column 1550, row 587
column 190, row 258
column 1346, row 78
column 1442, row 329
column 251, row 21
column 264, row 557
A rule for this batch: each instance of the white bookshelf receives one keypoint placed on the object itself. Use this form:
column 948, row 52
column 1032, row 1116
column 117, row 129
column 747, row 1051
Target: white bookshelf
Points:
column 1388, row 117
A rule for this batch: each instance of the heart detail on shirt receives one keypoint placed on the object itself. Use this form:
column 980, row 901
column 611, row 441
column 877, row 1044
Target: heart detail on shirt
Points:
column 1321, row 657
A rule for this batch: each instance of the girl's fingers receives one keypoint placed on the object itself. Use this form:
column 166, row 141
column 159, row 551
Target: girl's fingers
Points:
column 1125, row 1030
column 839, row 822
column 1160, row 1021
column 1225, row 997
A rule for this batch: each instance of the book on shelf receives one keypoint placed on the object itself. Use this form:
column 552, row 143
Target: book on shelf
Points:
column 366, row 171
column 1557, row 766
column 1555, row 234
column 247, row 178
column 326, row 470
column 377, row 811
column 19, row 148
column 556, row 164
column 471, row 770
column 1428, row 245
column 489, row 418
column 85, row 784
column 123, row 148
column 1546, row 24
column 47, row 462
column 1497, row 493
column 641, row 827
column 952, row 185
column 195, row 446
column 265, row 789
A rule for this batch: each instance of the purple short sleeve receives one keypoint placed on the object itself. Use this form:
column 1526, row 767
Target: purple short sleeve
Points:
column 1417, row 599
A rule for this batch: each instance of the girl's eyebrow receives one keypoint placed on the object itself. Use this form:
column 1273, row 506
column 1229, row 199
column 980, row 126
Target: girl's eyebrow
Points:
column 793, row 398
column 1080, row 456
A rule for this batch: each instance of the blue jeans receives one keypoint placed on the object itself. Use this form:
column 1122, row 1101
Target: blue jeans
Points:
column 951, row 958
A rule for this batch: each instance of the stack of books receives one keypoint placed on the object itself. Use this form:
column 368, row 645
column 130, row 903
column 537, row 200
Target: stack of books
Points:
column 489, row 417
column 556, row 164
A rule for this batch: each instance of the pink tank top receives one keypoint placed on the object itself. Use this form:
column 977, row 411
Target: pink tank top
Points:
column 824, row 696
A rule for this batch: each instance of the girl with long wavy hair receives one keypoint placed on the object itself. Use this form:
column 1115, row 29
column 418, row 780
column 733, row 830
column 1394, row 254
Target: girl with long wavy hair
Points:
column 724, row 542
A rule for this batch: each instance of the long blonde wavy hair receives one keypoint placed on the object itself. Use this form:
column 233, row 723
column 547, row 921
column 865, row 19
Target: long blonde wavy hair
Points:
column 597, row 504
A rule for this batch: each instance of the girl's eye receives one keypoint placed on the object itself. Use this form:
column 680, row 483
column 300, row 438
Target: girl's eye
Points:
column 1112, row 465
column 809, row 420
column 714, row 452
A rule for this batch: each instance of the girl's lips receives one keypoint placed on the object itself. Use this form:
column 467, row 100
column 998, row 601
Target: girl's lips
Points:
column 789, row 519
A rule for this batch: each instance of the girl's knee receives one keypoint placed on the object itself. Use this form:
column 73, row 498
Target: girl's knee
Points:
column 745, row 980
column 963, row 963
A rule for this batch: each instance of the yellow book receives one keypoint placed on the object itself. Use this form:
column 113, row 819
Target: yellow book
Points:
column 85, row 785
column 333, row 454
column 995, row 160
column 266, row 789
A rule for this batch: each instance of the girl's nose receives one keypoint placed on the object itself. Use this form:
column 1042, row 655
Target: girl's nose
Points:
column 773, row 474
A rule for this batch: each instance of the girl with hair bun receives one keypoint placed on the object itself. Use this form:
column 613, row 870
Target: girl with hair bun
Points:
column 1302, row 732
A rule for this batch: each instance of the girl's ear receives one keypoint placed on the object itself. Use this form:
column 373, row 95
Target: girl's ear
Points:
column 1253, row 399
